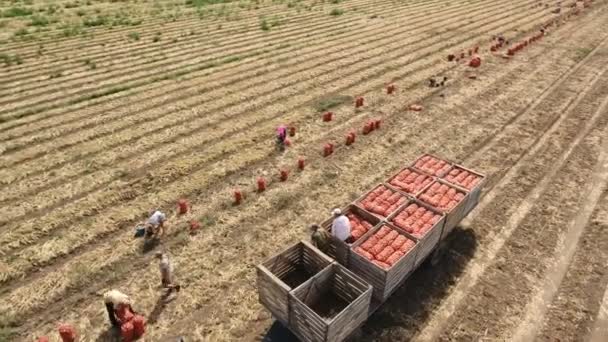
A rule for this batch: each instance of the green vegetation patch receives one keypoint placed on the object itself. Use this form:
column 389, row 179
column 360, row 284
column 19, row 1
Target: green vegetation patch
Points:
column 16, row 12
column 329, row 102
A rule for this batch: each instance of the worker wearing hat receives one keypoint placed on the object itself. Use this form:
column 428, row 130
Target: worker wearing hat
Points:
column 340, row 228
column 114, row 299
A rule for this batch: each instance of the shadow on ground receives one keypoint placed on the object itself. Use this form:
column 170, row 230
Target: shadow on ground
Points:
column 410, row 306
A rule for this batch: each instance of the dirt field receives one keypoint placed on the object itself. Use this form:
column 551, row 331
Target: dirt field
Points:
column 110, row 109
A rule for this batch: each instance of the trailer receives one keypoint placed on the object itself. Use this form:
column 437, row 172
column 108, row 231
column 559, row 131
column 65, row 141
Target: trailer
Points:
column 396, row 227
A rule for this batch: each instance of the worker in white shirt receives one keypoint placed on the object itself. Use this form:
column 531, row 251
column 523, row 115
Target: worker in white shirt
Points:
column 166, row 272
column 156, row 224
column 113, row 299
column 340, row 228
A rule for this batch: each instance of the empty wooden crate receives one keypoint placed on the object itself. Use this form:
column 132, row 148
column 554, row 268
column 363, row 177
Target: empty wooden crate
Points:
column 330, row 305
column 285, row 271
column 361, row 222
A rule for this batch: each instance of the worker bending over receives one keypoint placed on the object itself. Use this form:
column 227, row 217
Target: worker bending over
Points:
column 166, row 272
column 340, row 228
column 281, row 136
column 155, row 226
column 320, row 238
column 114, row 301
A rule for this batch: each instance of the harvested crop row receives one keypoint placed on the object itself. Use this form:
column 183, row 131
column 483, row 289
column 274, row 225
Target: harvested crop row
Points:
column 173, row 88
column 250, row 33
column 355, row 170
column 355, row 164
column 103, row 35
column 54, row 158
column 29, row 110
column 171, row 62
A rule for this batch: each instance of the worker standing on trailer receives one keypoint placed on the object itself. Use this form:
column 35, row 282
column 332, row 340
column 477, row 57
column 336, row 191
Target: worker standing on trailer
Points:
column 113, row 300
column 320, row 238
column 281, row 136
column 156, row 224
column 340, row 228
column 166, row 272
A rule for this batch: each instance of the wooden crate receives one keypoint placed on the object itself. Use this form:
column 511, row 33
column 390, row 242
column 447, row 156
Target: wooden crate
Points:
column 456, row 214
column 358, row 202
column 384, row 281
column 393, row 183
column 474, row 192
column 427, row 242
column 275, row 275
column 330, row 305
column 339, row 250
column 432, row 156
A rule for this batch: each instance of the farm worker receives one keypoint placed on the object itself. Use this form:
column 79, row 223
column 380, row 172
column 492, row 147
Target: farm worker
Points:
column 340, row 228
column 281, row 135
column 156, row 223
column 166, row 272
column 320, row 238
column 113, row 300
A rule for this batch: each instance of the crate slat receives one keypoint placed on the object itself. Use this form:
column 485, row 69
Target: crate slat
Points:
column 273, row 292
column 334, row 280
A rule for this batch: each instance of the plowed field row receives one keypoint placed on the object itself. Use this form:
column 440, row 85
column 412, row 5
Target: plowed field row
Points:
column 350, row 177
column 572, row 312
column 328, row 43
column 144, row 52
column 55, row 212
column 379, row 146
column 78, row 150
column 285, row 44
column 515, row 188
column 30, row 108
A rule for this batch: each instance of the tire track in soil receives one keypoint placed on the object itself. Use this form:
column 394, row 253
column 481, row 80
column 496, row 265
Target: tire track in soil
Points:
column 571, row 314
column 522, row 261
column 522, row 217
column 536, row 309
column 493, row 189
column 600, row 328
column 25, row 156
column 204, row 89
